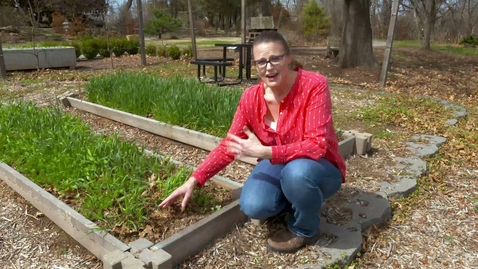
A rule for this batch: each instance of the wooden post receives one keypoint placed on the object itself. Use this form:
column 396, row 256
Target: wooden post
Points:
column 3, row 69
column 141, row 31
column 388, row 48
column 243, row 21
column 193, row 32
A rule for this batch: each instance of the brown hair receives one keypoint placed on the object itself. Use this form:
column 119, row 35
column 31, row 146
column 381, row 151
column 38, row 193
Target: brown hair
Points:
column 275, row 37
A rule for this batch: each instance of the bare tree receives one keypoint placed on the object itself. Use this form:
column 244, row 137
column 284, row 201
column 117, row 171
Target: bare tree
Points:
column 426, row 14
column 380, row 12
column 356, row 48
column 463, row 15
column 334, row 8
column 385, row 15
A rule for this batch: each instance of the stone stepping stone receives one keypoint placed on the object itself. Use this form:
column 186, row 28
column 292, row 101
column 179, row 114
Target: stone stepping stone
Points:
column 341, row 243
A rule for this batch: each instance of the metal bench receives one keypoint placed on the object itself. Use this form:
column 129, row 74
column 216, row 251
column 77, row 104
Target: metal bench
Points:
column 216, row 60
column 221, row 63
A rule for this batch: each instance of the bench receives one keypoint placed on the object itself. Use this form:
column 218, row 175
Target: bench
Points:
column 216, row 63
column 215, row 60
column 333, row 46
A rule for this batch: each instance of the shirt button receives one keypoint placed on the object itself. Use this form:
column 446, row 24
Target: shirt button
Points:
column 280, row 113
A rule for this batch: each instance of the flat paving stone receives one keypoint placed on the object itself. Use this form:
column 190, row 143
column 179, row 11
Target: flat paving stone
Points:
column 452, row 122
column 422, row 150
column 403, row 188
column 341, row 244
column 458, row 111
column 413, row 166
column 370, row 209
column 410, row 168
column 432, row 139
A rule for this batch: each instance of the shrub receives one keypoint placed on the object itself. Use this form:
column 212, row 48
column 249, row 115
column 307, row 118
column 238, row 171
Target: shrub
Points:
column 469, row 41
column 151, row 50
column 90, row 41
column 77, row 47
column 89, row 49
column 188, row 51
column 173, row 52
column 118, row 46
column 103, row 46
column 49, row 44
column 161, row 51
column 133, row 46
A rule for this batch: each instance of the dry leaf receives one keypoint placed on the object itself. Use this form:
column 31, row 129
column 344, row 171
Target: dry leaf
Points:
column 152, row 181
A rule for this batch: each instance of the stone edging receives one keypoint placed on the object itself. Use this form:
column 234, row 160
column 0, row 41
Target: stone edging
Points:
column 374, row 208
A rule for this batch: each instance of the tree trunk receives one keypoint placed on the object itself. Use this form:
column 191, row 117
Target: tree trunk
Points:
column 128, row 4
column 334, row 8
column 418, row 23
column 387, row 14
column 3, row 69
column 356, row 48
column 266, row 8
column 472, row 20
column 430, row 18
column 279, row 21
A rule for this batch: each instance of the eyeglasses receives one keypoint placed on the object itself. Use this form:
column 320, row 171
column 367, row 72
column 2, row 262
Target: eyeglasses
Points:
column 275, row 60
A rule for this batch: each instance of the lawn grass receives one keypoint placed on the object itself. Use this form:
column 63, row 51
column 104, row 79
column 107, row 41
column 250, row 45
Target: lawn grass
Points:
column 447, row 48
column 402, row 111
column 383, row 112
column 204, row 43
column 200, row 43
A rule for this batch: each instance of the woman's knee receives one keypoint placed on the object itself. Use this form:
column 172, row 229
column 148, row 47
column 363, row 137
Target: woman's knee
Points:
column 258, row 207
column 302, row 174
column 295, row 176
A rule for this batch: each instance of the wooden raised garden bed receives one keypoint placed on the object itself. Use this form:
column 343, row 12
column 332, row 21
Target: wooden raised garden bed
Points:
column 171, row 224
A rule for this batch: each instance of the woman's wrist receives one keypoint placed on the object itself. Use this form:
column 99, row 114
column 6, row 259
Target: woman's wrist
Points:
column 266, row 153
column 193, row 181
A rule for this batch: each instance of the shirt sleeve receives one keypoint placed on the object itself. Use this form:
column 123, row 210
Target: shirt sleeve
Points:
column 219, row 157
column 318, row 121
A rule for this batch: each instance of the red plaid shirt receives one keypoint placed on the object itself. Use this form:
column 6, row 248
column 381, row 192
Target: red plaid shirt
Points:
column 304, row 128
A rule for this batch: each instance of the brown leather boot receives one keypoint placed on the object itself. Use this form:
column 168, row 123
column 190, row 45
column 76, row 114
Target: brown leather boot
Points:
column 288, row 242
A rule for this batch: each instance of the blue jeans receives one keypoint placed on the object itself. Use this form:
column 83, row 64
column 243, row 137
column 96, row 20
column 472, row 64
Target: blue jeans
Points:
column 302, row 184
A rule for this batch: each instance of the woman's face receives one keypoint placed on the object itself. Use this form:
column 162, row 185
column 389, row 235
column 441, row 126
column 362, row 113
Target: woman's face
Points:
column 272, row 63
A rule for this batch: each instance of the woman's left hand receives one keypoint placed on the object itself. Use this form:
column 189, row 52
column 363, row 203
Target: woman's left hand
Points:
column 250, row 147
